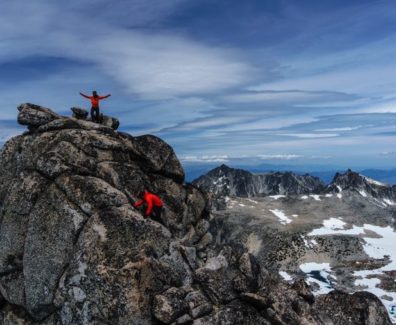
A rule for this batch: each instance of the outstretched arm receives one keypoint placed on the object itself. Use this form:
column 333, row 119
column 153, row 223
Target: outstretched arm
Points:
column 103, row 97
column 84, row 95
column 138, row 203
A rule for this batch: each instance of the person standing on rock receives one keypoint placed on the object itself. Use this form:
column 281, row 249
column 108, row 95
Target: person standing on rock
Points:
column 95, row 98
column 154, row 205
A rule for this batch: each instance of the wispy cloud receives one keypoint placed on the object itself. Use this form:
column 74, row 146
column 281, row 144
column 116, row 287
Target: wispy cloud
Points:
column 310, row 135
column 279, row 157
column 388, row 153
column 149, row 65
column 205, row 159
column 348, row 128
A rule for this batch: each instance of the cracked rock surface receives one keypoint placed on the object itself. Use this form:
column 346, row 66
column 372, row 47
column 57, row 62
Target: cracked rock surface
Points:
column 73, row 250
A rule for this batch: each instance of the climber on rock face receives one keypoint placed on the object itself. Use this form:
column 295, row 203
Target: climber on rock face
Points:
column 95, row 98
column 154, row 205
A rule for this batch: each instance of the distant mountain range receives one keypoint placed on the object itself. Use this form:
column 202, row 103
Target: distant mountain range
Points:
column 224, row 181
column 326, row 176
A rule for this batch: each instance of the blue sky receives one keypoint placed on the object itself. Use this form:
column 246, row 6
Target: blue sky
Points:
column 281, row 82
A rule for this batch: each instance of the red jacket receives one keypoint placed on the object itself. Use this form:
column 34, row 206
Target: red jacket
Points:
column 95, row 100
column 151, row 200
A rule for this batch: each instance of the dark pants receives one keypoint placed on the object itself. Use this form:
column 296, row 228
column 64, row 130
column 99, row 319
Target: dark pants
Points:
column 95, row 114
column 156, row 214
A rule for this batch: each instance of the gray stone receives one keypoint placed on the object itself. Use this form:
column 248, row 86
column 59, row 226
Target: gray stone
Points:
column 159, row 156
column 303, row 290
column 170, row 305
column 110, row 122
column 185, row 319
column 35, row 115
column 201, row 310
column 79, row 113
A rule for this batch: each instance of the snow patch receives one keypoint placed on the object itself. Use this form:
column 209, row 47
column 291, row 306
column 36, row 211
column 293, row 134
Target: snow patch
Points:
column 380, row 247
column 310, row 243
column 373, row 181
column 330, row 226
column 285, row 276
column 304, row 197
column 318, row 273
column 275, row 197
column 283, row 219
column 371, row 285
column 380, row 203
column 389, row 202
column 328, row 195
column 315, row 197
column 363, row 193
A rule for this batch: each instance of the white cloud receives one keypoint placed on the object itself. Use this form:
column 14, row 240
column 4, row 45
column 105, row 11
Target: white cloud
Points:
column 388, row 153
column 311, row 135
column 207, row 159
column 293, row 97
column 279, row 157
column 349, row 128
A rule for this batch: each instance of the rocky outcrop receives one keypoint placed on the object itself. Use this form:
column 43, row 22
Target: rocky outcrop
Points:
column 352, row 181
column 79, row 113
column 335, row 307
column 75, row 251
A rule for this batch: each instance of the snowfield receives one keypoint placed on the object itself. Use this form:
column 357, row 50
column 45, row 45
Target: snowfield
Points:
column 318, row 273
column 383, row 245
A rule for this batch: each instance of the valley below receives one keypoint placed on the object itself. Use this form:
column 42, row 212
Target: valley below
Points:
column 321, row 238
column 342, row 238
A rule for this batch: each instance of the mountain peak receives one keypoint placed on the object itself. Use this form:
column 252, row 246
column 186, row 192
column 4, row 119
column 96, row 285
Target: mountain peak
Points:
column 226, row 181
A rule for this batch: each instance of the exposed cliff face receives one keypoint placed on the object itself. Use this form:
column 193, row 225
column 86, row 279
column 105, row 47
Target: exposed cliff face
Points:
column 226, row 181
column 367, row 187
column 74, row 251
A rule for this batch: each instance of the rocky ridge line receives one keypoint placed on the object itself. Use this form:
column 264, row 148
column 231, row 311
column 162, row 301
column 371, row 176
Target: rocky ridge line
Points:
column 224, row 181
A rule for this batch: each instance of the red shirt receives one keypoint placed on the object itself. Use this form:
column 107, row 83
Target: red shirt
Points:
column 151, row 200
column 94, row 100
